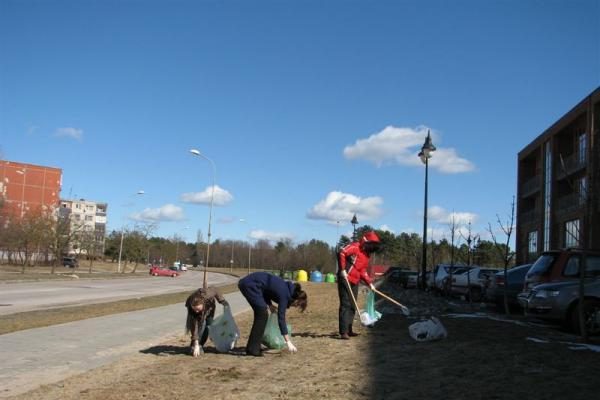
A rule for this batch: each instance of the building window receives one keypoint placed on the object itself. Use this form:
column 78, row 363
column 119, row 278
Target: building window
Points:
column 89, row 218
column 572, row 233
column 582, row 147
column 547, row 193
column 532, row 243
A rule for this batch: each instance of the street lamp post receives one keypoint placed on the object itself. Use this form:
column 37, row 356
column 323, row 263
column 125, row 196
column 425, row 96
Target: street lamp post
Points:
column 212, row 199
column 354, row 222
column 22, row 172
column 425, row 155
column 139, row 192
column 231, row 259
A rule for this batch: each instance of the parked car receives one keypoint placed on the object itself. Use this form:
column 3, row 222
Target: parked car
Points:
column 411, row 279
column 70, row 262
column 156, row 271
column 515, row 278
column 559, row 302
column 556, row 266
column 472, row 282
column 395, row 275
column 440, row 280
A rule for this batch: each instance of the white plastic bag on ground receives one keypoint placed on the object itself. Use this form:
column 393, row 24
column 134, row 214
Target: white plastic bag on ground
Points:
column 224, row 332
column 367, row 319
column 427, row 330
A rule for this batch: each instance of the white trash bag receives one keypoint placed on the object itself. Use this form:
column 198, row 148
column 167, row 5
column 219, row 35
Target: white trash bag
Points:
column 427, row 330
column 223, row 331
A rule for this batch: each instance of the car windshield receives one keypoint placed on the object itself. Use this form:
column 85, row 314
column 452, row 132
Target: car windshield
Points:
column 542, row 264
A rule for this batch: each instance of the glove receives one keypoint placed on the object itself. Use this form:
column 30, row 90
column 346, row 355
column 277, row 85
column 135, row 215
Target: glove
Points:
column 196, row 349
column 291, row 347
column 371, row 286
column 344, row 274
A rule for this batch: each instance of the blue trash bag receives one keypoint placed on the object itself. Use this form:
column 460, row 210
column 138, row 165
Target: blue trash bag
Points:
column 272, row 337
column 223, row 331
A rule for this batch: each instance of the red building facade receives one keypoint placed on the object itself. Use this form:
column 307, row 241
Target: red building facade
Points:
column 27, row 188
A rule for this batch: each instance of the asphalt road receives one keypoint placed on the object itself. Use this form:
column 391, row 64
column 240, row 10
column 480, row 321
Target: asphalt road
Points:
column 20, row 297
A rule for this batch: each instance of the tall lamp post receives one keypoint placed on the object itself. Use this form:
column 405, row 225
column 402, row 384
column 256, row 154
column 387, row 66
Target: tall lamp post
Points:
column 425, row 155
column 139, row 192
column 212, row 199
column 354, row 222
column 22, row 172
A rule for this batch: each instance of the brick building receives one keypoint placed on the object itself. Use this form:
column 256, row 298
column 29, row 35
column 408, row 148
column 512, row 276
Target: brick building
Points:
column 27, row 188
column 558, row 201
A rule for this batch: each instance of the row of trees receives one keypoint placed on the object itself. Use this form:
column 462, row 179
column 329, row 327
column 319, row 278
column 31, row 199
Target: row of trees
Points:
column 37, row 237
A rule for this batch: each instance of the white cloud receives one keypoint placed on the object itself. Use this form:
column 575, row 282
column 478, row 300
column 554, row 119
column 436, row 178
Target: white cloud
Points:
column 271, row 236
column 401, row 145
column 222, row 196
column 69, row 132
column 441, row 216
column 338, row 206
column 387, row 229
column 168, row 212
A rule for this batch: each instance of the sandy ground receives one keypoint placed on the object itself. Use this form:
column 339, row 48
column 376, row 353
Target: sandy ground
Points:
column 482, row 358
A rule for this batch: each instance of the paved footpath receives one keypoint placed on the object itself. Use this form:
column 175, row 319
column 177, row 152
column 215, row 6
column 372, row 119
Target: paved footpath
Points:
column 40, row 356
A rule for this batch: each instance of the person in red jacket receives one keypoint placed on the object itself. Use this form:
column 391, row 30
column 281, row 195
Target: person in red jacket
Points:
column 353, row 260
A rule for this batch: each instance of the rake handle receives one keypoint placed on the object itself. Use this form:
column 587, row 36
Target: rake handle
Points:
column 385, row 296
column 352, row 294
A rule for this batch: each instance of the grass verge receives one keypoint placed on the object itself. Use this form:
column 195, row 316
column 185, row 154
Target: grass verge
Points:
column 37, row 319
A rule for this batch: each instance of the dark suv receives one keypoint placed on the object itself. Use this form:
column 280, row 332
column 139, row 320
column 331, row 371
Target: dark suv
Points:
column 558, row 266
column 70, row 262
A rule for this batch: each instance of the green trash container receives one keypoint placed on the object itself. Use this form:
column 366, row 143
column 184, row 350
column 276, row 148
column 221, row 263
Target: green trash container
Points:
column 330, row 278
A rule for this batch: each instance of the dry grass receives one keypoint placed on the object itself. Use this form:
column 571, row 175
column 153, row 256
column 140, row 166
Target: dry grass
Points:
column 480, row 359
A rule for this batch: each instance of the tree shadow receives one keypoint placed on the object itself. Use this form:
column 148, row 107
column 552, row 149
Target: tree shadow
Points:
column 332, row 335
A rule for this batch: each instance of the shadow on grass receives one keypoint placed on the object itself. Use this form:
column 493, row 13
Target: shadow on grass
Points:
column 332, row 335
column 170, row 350
column 166, row 350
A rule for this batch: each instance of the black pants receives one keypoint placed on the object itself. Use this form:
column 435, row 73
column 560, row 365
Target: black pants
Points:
column 258, row 330
column 346, row 311
column 204, row 334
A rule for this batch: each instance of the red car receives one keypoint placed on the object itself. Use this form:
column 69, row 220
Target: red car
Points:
column 156, row 271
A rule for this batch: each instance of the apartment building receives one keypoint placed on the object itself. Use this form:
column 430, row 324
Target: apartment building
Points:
column 87, row 225
column 558, row 201
column 26, row 188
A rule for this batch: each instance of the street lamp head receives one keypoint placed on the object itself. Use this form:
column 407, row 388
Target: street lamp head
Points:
column 354, row 220
column 195, row 152
column 140, row 192
column 427, row 149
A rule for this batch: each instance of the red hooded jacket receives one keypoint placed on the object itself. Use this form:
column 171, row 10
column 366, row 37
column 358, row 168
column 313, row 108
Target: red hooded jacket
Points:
column 355, row 260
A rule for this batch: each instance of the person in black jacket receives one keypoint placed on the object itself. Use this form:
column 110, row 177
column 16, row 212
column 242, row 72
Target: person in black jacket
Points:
column 261, row 289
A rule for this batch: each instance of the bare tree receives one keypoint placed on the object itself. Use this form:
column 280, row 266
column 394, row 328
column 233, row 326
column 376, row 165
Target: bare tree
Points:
column 503, row 250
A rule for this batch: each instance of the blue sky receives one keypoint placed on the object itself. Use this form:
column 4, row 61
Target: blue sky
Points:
column 310, row 110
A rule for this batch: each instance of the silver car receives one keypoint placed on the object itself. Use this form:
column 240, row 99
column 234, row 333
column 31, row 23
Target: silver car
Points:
column 559, row 301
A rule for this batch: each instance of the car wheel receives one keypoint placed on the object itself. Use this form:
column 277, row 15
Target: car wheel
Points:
column 591, row 316
column 173, row 276
column 155, row 274
column 475, row 294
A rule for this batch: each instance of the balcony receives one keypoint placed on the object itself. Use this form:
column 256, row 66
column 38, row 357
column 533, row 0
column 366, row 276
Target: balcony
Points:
column 569, row 203
column 530, row 186
column 528, row 217
column 572, row 164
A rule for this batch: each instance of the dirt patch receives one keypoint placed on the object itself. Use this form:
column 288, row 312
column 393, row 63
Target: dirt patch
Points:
column 482, row 358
